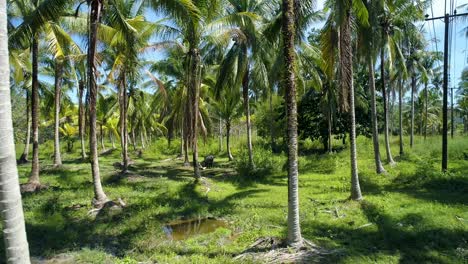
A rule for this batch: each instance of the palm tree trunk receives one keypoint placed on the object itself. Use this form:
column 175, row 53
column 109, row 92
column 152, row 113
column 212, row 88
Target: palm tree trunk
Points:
column 294, row 228
column 400, row 119
column 81, row 119
column 24, row 157
column 194, row 95
column 385, row 106
column 103, row 146
column 34, row 178
column 14, row 231
column 452, row 115
column 142, row 139
column 123, row 123
column 245, row 95
column 58, row 92
column 228, row 140
column 375, row 130
column 111, row 136
column 95, row 13
column 413, row 90
column 272, row 127
column 330, row 136
column 426, row 100
column 346, row 67
column 220, row 135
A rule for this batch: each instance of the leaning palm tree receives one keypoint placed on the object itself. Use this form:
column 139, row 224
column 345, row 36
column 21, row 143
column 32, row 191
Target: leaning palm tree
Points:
column 14, row 231
column 95, row 10
column 367, row 35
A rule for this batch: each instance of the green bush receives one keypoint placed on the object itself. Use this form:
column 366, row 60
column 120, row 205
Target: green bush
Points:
column 266, row 163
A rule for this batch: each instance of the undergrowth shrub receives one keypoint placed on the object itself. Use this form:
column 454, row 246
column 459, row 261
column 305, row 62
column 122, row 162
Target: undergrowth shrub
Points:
column 266, row 163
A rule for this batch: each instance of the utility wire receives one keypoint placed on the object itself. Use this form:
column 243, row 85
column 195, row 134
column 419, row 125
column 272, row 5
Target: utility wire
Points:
column 435, row 35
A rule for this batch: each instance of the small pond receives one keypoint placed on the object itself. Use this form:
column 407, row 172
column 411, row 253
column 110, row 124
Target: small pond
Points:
column 183, row 229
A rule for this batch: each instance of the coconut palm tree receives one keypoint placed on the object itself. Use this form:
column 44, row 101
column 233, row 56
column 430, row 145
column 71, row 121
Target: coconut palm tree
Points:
column 288, row 27
column 342, row 12
column 14, row 231
column 95, row 13
column 368, row 37
column 35, row 15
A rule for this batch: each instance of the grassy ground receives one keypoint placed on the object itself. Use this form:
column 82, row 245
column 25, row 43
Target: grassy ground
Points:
column 414, row 214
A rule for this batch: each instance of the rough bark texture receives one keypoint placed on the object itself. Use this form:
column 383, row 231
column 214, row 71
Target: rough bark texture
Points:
column 81, row 119
column 14, row 232
column 385, row 106
column 58, row 93
column 194, row 95
column 346, row 69
column 245, row 95
column 34, row 178
column 95, row 12
column 228, row 140
column 24, row 157
column 375, row 131
column 294, row 228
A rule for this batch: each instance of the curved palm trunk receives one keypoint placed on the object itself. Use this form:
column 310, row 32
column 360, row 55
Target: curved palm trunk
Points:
column 385, row 105
column 220, row 147
column 34, row 178
column 14, row 232
column 81, row 119
column 294, row 227
column 346, row 69
column 413, row 90
column 58, row 92
column 375, row 131
column 425, row 110
column 228, row 140
column 101, row 132
column 99, row 196
column 245, row 95
column 400, row 119
column 194, row 95
column 24, row 157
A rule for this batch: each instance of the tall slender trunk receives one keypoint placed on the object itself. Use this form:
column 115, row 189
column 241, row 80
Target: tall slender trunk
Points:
column 452, row 115
column 375, row 130
column 123, row 123
column 294, row 228
column 228, row 140
column 385, row 106
column 25, row 155
column 34, row 178
column 272, row 127
column 330, row 136
column 220, row 135
column 81, row 119
column 11, row 207
column 95, row 13
column 58, row 93
column 346, row 68
column 101, row 132
column 400, row 116
column 111, row 137
column 194, row 95
column 413, row 90
column 426, row 100
column 142, row 139
column 245, row 95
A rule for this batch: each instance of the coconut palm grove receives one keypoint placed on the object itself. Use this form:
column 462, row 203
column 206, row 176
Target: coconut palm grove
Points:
column 233, row 131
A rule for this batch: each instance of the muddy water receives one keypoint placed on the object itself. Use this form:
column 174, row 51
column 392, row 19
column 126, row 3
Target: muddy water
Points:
column 183, row 229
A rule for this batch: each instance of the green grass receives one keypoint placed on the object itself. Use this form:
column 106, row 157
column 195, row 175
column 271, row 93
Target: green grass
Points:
column 414, row 214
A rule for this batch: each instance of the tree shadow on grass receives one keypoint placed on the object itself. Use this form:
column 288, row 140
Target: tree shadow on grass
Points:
column 405, row 238
column 56, row 228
